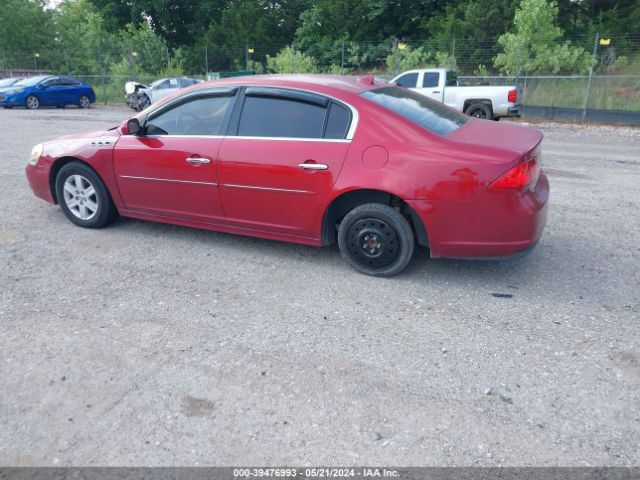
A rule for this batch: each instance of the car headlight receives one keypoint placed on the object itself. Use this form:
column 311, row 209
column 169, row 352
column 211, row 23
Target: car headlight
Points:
column 14, row 92
column 36, row 153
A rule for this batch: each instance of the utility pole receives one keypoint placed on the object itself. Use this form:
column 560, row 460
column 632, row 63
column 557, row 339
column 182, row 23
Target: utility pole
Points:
column 342, row 60
column 585, row 104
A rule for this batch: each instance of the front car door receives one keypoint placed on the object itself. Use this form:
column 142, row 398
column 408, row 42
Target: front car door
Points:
column 172, row 168
column 51, row 92
column 283, row 154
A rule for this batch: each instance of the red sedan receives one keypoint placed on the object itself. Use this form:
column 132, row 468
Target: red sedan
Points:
column 313, row 160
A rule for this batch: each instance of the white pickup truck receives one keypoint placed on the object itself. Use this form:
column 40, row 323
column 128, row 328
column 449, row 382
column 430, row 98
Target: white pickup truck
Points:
column 441, row 84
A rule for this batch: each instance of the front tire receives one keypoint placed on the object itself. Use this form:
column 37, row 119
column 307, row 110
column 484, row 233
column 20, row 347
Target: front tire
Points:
column 376, row 240
column 32, row 102
column 84, row 102
column 83, row 197
column 480, row 110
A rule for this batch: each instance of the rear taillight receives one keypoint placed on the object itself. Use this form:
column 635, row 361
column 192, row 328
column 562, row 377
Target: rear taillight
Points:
column 520, row 176
column 512, row 97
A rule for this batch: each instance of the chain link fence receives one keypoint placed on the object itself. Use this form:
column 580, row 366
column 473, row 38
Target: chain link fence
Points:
column 608, row 91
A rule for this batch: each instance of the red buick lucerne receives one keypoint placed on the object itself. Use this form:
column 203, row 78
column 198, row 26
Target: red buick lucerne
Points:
column 312, row 160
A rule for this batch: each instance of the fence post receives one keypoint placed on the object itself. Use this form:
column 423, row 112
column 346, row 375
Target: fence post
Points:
column 395, row 57
column 585, row 104
column 293, row 59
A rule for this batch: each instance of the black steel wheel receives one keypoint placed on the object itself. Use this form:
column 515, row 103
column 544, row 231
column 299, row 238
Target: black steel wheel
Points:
column 480, row 110
column 376, row 240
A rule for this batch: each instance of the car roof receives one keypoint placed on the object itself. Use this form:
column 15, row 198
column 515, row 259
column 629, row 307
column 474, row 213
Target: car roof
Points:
column 349, row 84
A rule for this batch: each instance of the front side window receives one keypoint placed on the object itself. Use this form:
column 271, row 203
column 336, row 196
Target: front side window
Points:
column 268, row 116
column 427, row 113
column 408, row 80
column 199, row 116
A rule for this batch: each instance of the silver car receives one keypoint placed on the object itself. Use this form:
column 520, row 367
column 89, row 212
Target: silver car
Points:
column 162, row 88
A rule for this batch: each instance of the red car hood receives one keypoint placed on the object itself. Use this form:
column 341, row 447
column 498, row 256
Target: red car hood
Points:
column 493, row 135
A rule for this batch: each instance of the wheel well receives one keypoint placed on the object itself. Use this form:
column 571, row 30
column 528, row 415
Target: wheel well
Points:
column 468, row 103
column 346, row 202
column 55, row 168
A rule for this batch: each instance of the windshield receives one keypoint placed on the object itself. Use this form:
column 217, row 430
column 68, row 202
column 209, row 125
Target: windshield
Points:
column 5, row 82
column 29, row 82
column 423, row 111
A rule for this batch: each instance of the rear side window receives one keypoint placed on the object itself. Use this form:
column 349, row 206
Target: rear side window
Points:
column 427, row 113
column 280, row 117
column 338, row 122
column 430, row 79
column 409, row 80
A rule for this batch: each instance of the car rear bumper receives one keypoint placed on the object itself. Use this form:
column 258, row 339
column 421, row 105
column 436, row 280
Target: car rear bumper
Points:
column 497, row 224
column 38, row 178
column 515, row 111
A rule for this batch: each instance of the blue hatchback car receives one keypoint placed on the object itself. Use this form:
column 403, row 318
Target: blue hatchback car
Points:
column 47, row 90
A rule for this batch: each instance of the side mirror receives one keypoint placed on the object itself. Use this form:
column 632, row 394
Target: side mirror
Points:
column 133, row 126
column 43, row 86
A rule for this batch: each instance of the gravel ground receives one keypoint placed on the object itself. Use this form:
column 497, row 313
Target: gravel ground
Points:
column 147, row 344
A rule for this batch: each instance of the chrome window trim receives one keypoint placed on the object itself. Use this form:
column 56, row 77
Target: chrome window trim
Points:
column 291, row 139
column 355, row 116
column 236, row 137
column 131, row 177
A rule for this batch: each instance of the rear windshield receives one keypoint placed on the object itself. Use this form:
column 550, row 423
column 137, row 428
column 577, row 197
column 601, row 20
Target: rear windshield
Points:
column 427, row 113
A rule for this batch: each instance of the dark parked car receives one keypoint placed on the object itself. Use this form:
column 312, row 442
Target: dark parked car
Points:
column 47, row 90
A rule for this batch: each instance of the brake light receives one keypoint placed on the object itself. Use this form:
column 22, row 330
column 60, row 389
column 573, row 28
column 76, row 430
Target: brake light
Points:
column 512, row 97
column 520, row 176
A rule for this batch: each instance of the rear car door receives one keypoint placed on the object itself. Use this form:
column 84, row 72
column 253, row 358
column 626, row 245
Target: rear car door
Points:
column 429, row 86
column 69, row 90
column 281, row 159
column 172, row 168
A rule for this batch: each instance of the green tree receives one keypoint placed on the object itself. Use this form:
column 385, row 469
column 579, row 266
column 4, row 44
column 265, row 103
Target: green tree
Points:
column 26, row 29
column 288, row 60
column 536, row 46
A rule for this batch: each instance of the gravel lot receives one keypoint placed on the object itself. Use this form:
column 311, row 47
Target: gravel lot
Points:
column 147, row 344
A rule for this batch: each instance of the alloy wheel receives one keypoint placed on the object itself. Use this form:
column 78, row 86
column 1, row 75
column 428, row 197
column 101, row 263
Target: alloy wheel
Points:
column 80, row 197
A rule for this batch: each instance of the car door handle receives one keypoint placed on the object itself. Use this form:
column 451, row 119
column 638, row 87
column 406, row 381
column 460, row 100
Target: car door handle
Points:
column 198, row 160
column 436, row 91
column 313, row 166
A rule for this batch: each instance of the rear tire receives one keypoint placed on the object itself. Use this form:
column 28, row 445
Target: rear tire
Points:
column 32, row 102
column 83, row 197
column 376, row 240
column 480, row 110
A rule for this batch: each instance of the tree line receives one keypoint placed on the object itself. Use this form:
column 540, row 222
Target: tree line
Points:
column 158, row 37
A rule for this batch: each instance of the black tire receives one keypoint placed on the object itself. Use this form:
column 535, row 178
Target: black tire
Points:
column 32, row 102
column 480, row 110
column 103, row 215
column 84, row 101
column 376, row 240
